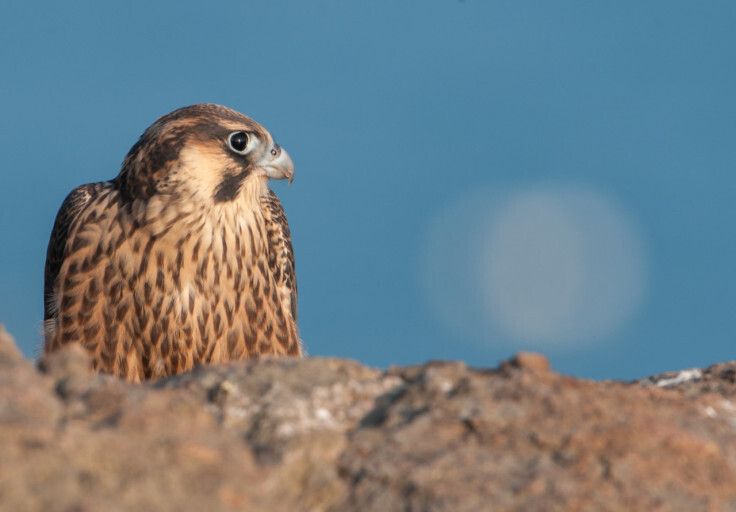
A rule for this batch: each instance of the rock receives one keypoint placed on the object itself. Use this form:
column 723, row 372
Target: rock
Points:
column 70, row 361
column 529, row 361
column 332, row 435
column 506, row 442
column 8, row 350
column 719, row 378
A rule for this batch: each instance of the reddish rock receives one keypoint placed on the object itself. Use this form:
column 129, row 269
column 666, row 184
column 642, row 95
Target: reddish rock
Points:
column 8, row 350
column 332, row 435
column 529, row 361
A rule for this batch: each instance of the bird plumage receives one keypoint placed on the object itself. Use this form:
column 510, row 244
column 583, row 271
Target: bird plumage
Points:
column 184, row 258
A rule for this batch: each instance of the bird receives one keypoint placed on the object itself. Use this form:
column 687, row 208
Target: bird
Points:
column 183, row 259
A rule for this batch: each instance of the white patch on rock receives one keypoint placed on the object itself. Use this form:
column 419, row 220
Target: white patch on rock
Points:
column 680, row 378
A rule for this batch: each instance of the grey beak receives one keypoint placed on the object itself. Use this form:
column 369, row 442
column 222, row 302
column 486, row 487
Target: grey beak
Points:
column 279, row 166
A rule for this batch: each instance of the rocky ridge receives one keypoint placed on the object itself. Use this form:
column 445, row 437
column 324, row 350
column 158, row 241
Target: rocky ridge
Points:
column 332, row 435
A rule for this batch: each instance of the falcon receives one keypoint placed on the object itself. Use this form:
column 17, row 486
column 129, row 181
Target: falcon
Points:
column 185, row 258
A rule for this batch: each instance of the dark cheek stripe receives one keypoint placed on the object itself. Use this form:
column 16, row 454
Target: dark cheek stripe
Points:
column 229, row 187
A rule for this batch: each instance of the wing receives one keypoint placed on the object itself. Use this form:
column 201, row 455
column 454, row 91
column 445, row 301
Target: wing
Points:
column 70, row 210
column 280, row 252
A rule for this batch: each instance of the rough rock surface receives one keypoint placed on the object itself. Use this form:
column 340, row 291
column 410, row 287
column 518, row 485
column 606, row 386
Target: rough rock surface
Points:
column 332, row 435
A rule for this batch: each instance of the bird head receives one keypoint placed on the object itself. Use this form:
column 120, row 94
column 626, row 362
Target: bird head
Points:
column 205, row 151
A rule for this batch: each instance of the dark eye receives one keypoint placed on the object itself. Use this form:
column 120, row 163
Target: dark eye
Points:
column 238, row 142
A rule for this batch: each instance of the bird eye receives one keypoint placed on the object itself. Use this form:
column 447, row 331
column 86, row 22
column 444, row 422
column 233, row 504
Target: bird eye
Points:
column 238, row 142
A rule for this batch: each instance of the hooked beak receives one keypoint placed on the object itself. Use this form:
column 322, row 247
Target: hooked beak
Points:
column 278, row 165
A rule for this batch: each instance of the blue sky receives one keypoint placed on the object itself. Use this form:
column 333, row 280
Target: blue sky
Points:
column 396, row 113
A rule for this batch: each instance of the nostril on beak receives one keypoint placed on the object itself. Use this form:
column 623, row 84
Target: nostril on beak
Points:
column 277, row 164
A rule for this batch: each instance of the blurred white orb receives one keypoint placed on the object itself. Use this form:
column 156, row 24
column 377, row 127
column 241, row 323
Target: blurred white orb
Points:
column 544, row 267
